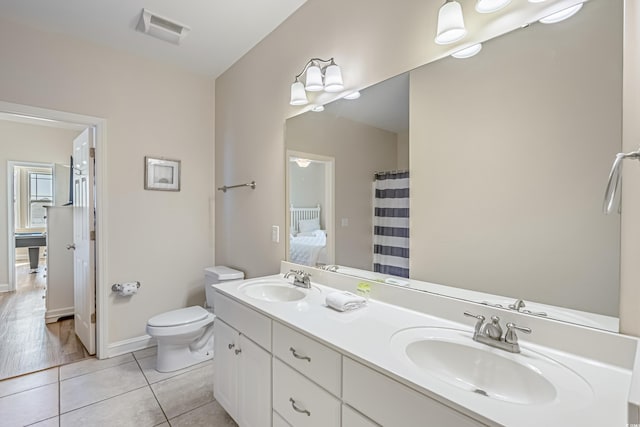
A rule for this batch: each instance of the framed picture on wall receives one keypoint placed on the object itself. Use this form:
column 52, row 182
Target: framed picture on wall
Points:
column 161, row 174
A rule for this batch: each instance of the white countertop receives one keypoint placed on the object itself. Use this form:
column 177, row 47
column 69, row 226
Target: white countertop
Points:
column 365, row 335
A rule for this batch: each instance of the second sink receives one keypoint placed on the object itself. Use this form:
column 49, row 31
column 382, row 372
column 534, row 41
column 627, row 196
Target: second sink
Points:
column 452, row 357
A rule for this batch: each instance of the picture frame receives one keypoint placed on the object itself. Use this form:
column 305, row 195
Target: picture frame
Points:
column 161, row 174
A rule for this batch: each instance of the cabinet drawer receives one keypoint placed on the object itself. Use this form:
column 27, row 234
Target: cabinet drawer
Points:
column 279, row 422
column 352, row 418
column 315, row 360
column 301, row 402
column 244, row 319
column 386, row 401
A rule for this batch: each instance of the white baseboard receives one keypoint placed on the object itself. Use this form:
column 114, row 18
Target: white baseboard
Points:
column 52, row 316
column 132, row 344
column 4, row 287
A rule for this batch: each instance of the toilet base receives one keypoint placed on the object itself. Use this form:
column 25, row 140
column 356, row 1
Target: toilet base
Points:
column 175, row 356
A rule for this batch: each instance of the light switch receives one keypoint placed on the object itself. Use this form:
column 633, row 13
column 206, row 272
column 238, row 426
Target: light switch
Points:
column 275, row 234
column 344, row 222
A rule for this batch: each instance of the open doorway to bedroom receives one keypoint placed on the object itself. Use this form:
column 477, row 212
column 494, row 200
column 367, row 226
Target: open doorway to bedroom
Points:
column 37, row 286
column 310, row 216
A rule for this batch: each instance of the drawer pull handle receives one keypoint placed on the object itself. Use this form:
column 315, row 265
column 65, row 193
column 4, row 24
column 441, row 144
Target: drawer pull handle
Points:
column 238, row 351
column 231, row 346
column 297, row 356
column 295, row 408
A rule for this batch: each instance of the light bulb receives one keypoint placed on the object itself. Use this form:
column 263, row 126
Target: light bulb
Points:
column 489, row 6
column 467, row 52
column 561, row 15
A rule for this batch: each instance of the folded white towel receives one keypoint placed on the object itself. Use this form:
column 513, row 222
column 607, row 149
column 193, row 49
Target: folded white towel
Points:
column 345, row 301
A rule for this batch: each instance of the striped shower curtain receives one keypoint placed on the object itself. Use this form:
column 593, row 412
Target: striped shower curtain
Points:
column 391, row 223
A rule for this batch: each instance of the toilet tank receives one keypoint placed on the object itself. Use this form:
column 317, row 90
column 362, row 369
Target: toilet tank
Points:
column 218, row 274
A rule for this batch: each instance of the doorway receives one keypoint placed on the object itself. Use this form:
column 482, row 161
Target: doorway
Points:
column 57, row 330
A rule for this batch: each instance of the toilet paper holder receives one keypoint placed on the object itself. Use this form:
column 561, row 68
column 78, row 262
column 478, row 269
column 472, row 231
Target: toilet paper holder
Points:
column 119, row 287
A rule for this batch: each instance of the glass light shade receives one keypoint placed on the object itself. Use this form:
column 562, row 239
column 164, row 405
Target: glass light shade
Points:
column 488, row 6
column 318, row 109
column 450, row 23
column 467, row 52
column 303, row 163
column 561, row 15
column 333, row 79
column 314, row 79
column 353, row 95
column 298, row 95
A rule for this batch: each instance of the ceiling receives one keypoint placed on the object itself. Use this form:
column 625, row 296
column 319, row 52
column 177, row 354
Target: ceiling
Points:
column 222, row 31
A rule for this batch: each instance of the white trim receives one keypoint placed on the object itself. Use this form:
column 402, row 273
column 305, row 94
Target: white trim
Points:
column 52, row 316
column 4, row 287
column 102, row 290
column 130, row 345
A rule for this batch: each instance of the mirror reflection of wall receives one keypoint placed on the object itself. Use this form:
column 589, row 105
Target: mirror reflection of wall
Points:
column 510, row 152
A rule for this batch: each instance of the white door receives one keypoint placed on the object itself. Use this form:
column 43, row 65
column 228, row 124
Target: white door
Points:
column 254, row 385
column 225, row 389
column 84, row 240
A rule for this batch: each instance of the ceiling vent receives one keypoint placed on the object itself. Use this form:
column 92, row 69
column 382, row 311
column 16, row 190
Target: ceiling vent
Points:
column 162, row 28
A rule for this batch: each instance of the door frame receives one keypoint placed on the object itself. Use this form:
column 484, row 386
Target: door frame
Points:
column 100, row 125
column 11, row 220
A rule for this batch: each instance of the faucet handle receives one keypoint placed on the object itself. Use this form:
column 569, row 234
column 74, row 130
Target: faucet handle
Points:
column 511, row 336
column 477, row 316
column 479, row 323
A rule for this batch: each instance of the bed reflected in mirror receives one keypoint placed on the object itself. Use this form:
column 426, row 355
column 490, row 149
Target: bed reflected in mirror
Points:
column 310, row 215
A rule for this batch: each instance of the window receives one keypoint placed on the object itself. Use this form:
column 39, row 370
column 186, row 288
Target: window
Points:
column 40, row 195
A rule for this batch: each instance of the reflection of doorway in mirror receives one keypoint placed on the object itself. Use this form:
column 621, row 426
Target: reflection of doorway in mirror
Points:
column 310, row 218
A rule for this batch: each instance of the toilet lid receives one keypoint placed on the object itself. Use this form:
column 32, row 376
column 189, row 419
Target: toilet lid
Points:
column 179, row 317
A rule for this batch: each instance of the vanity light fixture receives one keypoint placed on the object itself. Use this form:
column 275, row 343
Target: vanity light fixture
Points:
column 562, row 15
column 467, row 52
column 321, row 74
column 489, row 6
column 450, row 23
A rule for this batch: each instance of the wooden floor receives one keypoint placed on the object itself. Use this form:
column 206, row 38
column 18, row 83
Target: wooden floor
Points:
column 27, row 343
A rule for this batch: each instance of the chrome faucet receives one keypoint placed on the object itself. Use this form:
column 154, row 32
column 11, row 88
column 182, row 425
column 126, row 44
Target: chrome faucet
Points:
column 300, row 278
column 519, row 305
column 329, row 267
column 491, row 333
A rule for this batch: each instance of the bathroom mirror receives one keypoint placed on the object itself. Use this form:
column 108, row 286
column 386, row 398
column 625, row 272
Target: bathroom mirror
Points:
column 509, row 156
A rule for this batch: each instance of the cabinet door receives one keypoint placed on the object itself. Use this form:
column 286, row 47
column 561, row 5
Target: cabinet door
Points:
column 254, row 385
column 225, row 380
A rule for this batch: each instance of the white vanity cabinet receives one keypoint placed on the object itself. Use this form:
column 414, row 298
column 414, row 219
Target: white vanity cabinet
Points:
column 242, row 375
column 269, row 374
column 390, row 403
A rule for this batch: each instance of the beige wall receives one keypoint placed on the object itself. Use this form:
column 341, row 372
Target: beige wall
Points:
column 162, row 239
column 22, row 142
column 359, row 150
column 370, row 43
column 510, row 152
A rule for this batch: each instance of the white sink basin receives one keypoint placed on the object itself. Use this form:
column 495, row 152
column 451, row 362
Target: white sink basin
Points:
column 273, row 290
column 452, row 357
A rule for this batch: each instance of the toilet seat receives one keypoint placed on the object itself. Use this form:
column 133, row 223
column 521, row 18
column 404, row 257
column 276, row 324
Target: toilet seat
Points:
column 178, row 317
column 181, row 321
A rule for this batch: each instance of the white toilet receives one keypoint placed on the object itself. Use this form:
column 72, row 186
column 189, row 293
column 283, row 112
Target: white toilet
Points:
column 185, row 336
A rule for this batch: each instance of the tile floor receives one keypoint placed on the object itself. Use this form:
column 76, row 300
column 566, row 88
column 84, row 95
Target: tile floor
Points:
column 121, row 391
